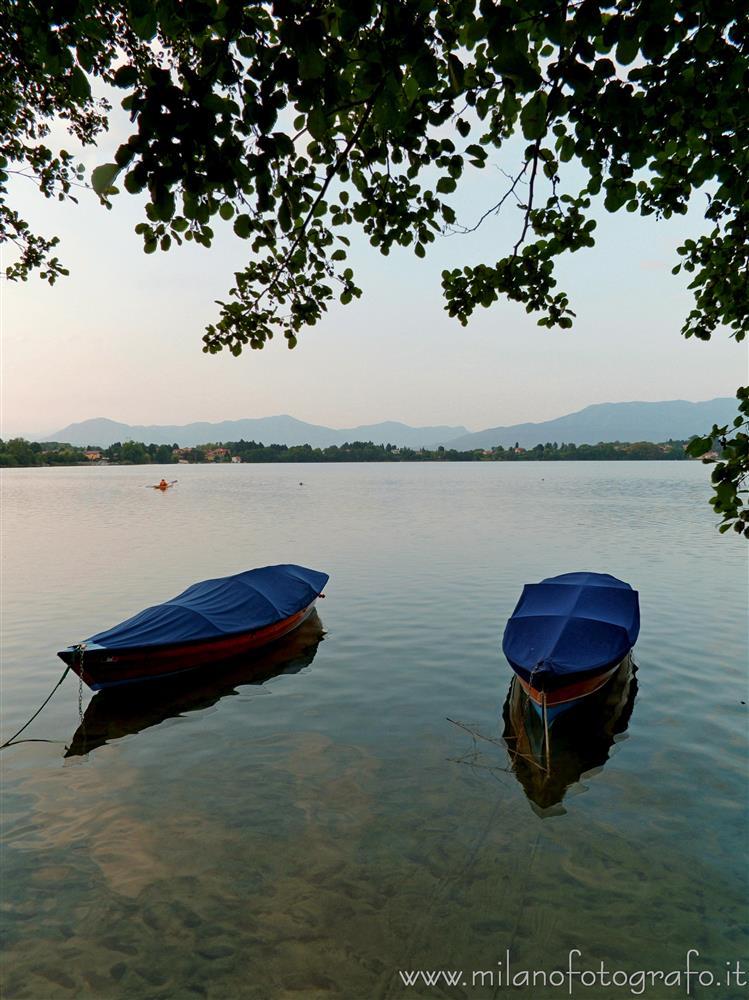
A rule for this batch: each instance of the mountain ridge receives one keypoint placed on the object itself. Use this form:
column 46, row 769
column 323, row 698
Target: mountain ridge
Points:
column 281, row 429
column 628, row 421
column 676, row 419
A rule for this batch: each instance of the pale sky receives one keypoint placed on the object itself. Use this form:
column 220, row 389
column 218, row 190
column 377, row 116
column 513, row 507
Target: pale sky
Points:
column 121, row 337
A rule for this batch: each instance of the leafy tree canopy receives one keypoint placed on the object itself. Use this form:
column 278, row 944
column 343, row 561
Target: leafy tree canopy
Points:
column 299, row 119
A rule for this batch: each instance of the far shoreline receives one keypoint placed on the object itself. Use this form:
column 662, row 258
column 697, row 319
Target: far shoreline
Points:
column 19, row 453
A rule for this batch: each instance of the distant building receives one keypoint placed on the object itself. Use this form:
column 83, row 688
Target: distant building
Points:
column 93, row 456
column 236, row 459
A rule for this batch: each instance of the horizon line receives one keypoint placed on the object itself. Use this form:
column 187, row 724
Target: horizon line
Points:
column 276, row 416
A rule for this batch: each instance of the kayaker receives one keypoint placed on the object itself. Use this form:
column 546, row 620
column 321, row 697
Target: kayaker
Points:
column 163, row 485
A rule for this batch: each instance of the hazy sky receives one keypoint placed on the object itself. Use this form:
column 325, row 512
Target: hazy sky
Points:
column 121, row 337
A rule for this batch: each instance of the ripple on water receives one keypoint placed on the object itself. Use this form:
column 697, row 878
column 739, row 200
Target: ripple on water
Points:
column 312, row 835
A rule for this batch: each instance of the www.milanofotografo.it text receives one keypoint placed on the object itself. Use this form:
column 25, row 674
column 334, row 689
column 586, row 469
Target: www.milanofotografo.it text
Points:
column 578, row 977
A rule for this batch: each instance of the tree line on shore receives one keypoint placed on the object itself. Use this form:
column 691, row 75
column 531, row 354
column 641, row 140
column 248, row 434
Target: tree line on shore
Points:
column 17, row 452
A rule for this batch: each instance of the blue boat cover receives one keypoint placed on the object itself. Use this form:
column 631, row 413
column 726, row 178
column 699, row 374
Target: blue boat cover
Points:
column 215, row 608
column 572, row 624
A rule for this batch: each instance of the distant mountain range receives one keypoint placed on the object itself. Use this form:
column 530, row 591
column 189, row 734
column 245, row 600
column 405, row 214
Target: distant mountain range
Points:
column 676, row 419
column 265, row 430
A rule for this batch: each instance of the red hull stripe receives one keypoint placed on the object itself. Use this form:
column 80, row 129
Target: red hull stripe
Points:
column 102, row 667
column 569, row 693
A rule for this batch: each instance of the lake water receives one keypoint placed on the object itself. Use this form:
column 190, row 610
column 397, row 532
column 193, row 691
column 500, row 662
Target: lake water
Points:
column 325, row 832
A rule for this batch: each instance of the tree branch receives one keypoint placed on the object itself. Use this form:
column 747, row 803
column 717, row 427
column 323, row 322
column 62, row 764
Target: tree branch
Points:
column 464, row 230
column 529, row 206
column 331, row 173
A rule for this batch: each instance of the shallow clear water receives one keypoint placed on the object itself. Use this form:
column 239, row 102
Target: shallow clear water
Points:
column 317, row 834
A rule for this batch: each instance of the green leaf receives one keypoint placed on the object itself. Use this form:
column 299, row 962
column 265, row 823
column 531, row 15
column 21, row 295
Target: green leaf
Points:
column 533, row 116
column 457, row 73
column 317, row 123
column 515, row 65
column 626, row 51
column 80, row 88
column 478, row 153
column 311, row 62
column 284, row 215
column 134, row 182
column 102, row 177
column 698, row 446
column 242, row 226
column 145, row 25
column 125, row 76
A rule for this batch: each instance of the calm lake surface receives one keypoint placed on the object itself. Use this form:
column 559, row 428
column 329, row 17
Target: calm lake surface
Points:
column 317, row 834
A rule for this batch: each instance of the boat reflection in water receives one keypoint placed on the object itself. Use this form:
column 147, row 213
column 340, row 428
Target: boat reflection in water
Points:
column 580, row 741
column 124, row 711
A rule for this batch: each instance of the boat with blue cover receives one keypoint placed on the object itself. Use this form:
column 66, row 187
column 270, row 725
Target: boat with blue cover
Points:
column 123, row 711
column 212, row 620
column 580, row 741
column 568, row 635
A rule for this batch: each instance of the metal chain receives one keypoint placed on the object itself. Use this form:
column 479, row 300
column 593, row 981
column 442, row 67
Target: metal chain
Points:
column 81, row 649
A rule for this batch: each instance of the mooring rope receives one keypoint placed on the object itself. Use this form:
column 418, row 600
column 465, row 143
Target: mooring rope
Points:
column 49, row 696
